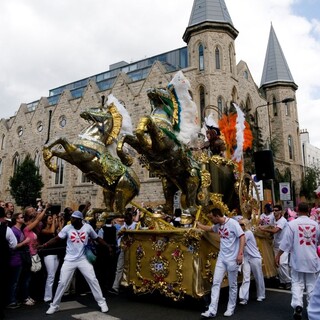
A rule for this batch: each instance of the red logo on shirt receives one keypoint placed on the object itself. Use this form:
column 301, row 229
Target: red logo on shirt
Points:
column 307, row 235
column 223, row 233
column 78, row 237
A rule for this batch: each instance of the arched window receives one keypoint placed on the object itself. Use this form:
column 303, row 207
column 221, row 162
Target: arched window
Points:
column 201, row 57
column 290, row 147
column 231, row 56
column 16, row 162
column 234, row 95
column 220, row 106
column 248, row 106
column 3, row 141
column 0, row 167
column 287, row 109
column 60, row 170
column 202, row 101
column 274, row 107
column 217, row 56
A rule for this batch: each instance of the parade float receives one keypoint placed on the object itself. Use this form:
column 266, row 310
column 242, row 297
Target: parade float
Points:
column 207, row 171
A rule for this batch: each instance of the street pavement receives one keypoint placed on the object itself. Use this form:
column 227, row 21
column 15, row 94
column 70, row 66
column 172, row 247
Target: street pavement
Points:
column 128, row 306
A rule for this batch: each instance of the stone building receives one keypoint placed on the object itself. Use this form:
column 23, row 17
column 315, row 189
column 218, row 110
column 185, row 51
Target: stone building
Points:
column 208, row 61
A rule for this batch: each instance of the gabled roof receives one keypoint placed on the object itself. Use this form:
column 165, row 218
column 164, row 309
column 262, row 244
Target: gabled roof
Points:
column 209, row 10
column 275, row 67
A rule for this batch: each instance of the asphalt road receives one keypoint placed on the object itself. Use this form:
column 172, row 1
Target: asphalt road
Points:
column 128, row 306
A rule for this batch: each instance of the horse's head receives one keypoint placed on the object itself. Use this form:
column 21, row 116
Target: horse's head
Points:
column 163, row 101
column 159, row 97
column 96, row 115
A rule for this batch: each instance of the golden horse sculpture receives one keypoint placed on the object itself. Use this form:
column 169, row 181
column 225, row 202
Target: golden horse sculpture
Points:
column 94, row 153
column 156, row 140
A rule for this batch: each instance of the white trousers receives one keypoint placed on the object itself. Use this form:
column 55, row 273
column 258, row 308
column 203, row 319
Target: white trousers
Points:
column 119, row 271
column 220, row 269
column 314, row 305
column 254, row 265
column 66, row 273
column 283, row 269
column 51, row 262
column 301, row 281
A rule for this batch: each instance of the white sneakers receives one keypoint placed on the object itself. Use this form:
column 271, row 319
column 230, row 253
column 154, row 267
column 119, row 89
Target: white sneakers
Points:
column 228, row 313
column 207, row 315
column 260, row 299
column 52, row 309
column 243, row 302
column 104, row 307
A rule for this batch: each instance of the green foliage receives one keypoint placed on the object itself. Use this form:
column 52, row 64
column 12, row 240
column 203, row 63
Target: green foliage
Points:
column 310, row 182
column 26, row 183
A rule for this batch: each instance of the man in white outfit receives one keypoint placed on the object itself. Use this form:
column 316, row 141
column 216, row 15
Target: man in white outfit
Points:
column 130, row 223
column 301, row 239
column 252, row 262
column 314, row 304
column 77, row 234
column 278, row 231
column 230, row 257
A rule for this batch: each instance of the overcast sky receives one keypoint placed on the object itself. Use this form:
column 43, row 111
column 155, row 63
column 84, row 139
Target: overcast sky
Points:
column 46, row 43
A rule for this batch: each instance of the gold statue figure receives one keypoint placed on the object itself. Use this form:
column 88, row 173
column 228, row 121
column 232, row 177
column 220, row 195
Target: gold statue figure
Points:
column 94, row 153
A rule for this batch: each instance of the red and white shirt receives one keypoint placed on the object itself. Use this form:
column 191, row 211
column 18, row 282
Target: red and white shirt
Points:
column 230, row 233
column 76, row 240
column 301, row 238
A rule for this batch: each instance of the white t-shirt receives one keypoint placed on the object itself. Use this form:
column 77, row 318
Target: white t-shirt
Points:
column 301, row 238
column 267, row 219
column 132, row 226
column 277, row 237
column 76, row 240
column 229, row 233
column 11, row 238
column 251, row 249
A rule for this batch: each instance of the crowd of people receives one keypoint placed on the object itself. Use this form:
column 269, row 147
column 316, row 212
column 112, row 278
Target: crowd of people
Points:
column 296, row 240
column 62, row 240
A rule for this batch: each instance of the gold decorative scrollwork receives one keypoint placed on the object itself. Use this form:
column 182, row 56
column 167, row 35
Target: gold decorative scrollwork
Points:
column 205, row 178
column 208, row 265
column 217, row 202
column 159, row 267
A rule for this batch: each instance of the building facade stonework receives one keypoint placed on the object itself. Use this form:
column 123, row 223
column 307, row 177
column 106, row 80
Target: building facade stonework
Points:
column 216, row 81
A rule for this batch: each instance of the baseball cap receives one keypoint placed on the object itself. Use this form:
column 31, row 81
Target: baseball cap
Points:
column 77, row 214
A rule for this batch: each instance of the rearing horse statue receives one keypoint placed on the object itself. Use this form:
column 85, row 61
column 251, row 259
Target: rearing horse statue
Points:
column 163, row 152
column 94, row 153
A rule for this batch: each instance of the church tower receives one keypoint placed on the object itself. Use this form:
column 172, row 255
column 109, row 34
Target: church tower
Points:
column 210, row 38
column 279, row 88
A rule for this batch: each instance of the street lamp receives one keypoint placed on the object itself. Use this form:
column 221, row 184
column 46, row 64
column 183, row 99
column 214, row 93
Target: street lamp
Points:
column 286, row 100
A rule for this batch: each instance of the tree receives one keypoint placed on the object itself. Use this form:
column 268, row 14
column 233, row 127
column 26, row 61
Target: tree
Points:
column 310, row 182
column 26, row 183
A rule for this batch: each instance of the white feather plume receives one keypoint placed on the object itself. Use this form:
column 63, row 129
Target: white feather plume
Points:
column 189, row 123
column 240, row 126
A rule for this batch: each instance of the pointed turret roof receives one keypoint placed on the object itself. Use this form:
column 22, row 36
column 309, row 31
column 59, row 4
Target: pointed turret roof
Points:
column 275, row 67
column 209, row 10
column 209, row 14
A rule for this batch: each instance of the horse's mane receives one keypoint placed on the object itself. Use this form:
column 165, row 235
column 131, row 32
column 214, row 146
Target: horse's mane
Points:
column 126, row 127
column 188, row 119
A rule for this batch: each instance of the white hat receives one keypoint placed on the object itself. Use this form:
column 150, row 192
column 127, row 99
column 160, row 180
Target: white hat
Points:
column 77, row 214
